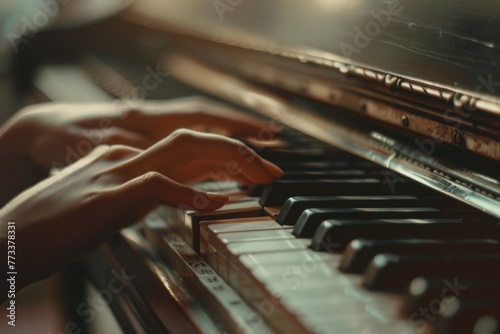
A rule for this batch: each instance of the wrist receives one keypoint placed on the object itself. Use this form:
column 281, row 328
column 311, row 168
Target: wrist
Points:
column 17, row 169
column 16, row 135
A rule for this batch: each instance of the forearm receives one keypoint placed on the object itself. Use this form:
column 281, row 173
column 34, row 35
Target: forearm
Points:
column 16, row 175
column 17, row 169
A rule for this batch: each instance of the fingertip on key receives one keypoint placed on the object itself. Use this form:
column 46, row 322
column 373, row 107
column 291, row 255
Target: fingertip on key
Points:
column 216, row 197
column 272, row 169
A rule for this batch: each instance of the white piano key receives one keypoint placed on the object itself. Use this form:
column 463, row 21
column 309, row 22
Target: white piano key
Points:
column 272, row 211
column 236, row 249
column 225, row 187
column 240, row 248
column 228, row 304
column 247, row 236
column 209, row 230
column 299, row 257
column 224, row 239
column 243, row 224
column 188, row 221
column 303, row 306
column 237, row 316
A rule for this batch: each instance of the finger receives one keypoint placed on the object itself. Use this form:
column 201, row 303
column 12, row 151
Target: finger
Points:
column 201, row 171
column 199, row 114
column 118, row 136
column 273, row 143
column 184, row 147
column 154, row 187
column 91, row 115
column 227, row 121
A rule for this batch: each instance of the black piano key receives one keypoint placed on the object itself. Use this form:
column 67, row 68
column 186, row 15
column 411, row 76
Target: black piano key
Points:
column 279, row 191
column 327, row 165
column 456, row 209
column 407, row 187
column 336, row 234
column 290, row 154
column 444, row 203
column 294, row 206
column 309, row 220
column 323, row 174
column 256, row 190
column 460, row 315
column 360, row 252
column 394, row 272
column 425, row 291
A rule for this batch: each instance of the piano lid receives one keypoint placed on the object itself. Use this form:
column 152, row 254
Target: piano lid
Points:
column 255, row 52
column 437, row 61
column 454, row 44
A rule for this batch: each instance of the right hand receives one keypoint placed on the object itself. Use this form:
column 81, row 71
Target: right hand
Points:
column 72, row 212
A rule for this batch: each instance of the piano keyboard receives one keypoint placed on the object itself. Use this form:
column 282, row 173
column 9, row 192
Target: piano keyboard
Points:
column 335, row 246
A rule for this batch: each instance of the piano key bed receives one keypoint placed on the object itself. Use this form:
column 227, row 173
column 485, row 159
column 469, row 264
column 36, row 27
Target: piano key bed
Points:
column 329, row 248
column 337, row 245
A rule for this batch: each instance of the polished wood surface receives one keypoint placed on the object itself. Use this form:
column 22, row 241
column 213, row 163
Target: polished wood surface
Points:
column 454, row 43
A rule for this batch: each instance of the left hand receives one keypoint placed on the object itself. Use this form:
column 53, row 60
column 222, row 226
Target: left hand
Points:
column 56, row 135
column 72, row 212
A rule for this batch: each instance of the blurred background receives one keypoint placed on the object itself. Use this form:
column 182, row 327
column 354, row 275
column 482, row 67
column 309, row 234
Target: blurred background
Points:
column 101, row 50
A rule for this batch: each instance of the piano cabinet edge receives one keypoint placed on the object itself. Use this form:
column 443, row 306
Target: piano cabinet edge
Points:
column 152, row 300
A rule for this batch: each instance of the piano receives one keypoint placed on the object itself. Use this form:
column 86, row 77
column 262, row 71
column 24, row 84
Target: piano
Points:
column 387, row 217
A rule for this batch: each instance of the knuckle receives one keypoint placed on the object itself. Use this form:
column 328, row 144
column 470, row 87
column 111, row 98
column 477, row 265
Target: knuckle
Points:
column 246, row 152
column 183, row 135
column 201, row 106
column 127, row 113
column 98, row 154
column 118, row 152
column 112, row 135
column 114, row 139
column 42, row 107
column 134, row 114
column 37, row 113
column 152, row 178
column 101, row 150
column 242, row 147
column 199, row 101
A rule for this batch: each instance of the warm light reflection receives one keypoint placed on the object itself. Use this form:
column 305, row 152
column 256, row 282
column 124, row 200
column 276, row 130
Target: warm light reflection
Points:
column 337, row 4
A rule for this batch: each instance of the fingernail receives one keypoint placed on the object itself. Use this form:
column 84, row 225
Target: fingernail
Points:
column 216, row 197
column 273, row 169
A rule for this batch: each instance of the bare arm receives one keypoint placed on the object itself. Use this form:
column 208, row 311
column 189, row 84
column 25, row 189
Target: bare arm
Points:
column 72, row 212
column 121, row 162
column 51, row 135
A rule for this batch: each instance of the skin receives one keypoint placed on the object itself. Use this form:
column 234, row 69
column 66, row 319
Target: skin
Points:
column 116, row 184
column 50, row 135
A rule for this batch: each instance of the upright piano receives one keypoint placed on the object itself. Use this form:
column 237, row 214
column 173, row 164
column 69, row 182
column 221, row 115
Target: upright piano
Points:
column 386, row 220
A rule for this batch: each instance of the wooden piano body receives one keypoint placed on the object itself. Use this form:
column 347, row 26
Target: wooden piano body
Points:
column 407, row 92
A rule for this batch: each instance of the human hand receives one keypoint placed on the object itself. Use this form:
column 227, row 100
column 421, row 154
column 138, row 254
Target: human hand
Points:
column 75, row 210
column 50, row 135
column 57, row 135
